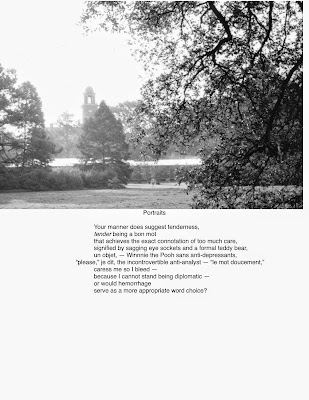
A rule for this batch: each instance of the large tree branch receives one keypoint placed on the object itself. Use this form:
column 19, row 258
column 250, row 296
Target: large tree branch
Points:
column 221, row 19
column 280, row 98
column 268, row 31
column 226, row 27
column 211, row 53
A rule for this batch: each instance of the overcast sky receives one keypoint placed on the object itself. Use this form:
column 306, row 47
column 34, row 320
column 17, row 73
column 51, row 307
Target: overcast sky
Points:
column 41, row 40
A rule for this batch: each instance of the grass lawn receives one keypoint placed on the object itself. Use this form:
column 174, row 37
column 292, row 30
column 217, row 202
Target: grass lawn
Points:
column 166, row 195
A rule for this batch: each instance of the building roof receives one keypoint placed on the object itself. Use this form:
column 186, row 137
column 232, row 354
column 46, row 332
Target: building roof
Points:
column 89, row 90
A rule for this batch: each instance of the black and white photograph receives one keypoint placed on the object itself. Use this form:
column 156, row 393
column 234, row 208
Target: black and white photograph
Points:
column 151, row 104
column 153, row 222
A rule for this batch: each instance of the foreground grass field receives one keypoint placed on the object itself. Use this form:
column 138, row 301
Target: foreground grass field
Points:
column 133, row 196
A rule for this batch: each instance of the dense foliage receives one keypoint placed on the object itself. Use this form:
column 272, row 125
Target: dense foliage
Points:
column 226, row 73
column 66, row 133
column 24, row 142
column 128, row 113
column 40, row 179
column 103, row 145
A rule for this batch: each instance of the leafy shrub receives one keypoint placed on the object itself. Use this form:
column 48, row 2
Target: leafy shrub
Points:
column 34, row 180
column 40, row 179
column 95, row 179
column 137, row 174
column 121, row 170
column 115, row 183
column 250, row 198
column 8, row 180
column 94, row 175
column 68, row 179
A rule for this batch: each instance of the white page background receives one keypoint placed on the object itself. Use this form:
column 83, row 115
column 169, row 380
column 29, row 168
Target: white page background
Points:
column 246, row 338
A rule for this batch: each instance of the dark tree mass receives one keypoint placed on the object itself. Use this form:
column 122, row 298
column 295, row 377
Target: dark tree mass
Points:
column 23, row 139
column 226, row 75
column 103, row 144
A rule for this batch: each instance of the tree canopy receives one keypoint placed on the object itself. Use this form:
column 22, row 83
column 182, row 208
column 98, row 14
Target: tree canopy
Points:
column 225, row 70
column 103, row 139
column 103, row 144
column 23, row 139
column 65, row 133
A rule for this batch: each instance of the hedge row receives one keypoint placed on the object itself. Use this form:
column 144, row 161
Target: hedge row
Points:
column 64, row 179
column 82, row 178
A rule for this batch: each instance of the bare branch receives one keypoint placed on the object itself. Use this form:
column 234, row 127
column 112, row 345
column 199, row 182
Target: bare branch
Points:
column 268, row 30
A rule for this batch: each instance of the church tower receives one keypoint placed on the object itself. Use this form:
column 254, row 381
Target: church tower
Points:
column 89, row 107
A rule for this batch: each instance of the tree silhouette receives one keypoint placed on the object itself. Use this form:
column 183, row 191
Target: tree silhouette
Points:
column 103, row 144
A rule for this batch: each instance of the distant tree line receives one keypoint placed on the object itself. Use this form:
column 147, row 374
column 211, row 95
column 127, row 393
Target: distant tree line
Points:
column 66, row 134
